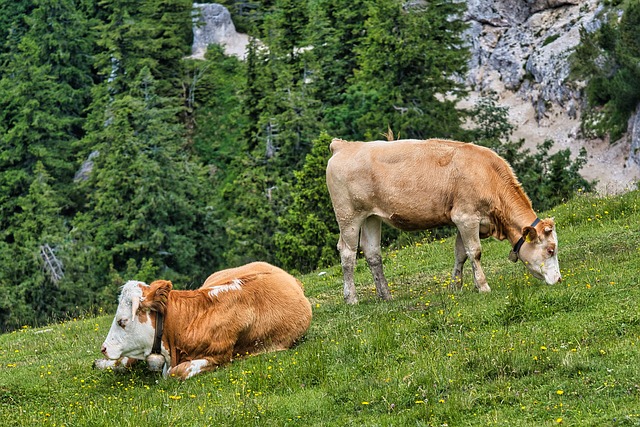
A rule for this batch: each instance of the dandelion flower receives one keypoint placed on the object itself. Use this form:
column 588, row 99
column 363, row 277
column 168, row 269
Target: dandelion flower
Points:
column 559, row 392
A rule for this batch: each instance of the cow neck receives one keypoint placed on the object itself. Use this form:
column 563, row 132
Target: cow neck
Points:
column 157, row 339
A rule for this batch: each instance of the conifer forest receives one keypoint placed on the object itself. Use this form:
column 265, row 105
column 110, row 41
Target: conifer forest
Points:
column 121, row 158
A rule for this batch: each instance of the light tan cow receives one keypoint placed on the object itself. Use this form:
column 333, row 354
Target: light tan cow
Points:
column 417, row 185
column 246, row 310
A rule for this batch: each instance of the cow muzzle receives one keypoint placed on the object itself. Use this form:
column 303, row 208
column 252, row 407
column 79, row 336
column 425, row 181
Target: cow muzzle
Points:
column 110, row 353
column 552, row 279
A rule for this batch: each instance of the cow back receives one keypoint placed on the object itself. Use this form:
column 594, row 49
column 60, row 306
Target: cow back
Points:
column 257, row 307
column 414, row 184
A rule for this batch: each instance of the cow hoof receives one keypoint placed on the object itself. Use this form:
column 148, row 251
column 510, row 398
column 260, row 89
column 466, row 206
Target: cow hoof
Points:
column 351, row 300
column 484, row 289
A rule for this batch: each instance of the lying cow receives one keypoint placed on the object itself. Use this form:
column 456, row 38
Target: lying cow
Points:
column 246, row 310
column 417, row 185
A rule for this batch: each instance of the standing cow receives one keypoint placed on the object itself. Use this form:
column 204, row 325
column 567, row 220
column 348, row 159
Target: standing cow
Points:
column 417, row 185
column 246, row 310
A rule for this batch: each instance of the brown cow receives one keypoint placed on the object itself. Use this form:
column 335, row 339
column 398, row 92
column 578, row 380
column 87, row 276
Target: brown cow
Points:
column 417, row 185
column 246, row 310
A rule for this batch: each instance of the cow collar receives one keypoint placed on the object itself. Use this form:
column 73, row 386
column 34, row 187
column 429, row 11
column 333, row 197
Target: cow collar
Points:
column 157, row 339
column 513, row 256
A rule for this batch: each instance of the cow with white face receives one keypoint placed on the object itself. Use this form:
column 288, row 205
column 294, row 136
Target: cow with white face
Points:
column 132, row 331
column 245, row 310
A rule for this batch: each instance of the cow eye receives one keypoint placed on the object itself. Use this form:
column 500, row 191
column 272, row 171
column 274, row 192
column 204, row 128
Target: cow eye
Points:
column 122, row 323
column 551, row 251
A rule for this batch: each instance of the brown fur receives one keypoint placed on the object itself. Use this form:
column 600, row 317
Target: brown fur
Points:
column 269, row 313
column 417, row 185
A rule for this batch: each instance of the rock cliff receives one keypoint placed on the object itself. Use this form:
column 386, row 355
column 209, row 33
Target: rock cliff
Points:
column 212, row 24
column 519, row 51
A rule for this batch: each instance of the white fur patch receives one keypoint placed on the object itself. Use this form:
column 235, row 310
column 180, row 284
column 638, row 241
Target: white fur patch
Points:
column 235, row 285
column 195, row 367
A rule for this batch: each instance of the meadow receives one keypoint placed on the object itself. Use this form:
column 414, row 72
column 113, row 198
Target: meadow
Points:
column 527, row 354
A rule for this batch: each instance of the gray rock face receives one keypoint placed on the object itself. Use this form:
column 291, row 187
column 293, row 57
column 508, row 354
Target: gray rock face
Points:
column 520, row 51
column 212, row 24
column 527, row 43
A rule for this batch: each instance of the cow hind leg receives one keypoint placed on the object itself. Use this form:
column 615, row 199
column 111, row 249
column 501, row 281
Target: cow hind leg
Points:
column 348, row 246
column 370, row 242
column 460, row 254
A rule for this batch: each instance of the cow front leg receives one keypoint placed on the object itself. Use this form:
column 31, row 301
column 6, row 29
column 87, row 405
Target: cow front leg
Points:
column 186, row 370
column 460, row 254
column 471, row 240
column 117, row 365
column 370, row 243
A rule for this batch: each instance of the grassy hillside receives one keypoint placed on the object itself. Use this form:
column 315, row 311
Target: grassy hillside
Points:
column 527, row 354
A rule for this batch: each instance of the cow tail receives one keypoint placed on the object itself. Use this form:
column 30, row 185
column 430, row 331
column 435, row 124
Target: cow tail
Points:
column 334, row 144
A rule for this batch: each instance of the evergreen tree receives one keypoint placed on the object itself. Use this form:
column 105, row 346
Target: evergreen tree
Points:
column 145, row 197
column 135, row 34
column 608, row 58
column 280, row 110
column 32, row 268
column 215, row 106
column 45, row 81
column 12, row 24
column 44, row 91
column 308, row 232
column 336, row 34
column 407, row 62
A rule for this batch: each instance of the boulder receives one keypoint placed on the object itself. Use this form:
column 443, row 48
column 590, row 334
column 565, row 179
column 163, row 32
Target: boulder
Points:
column 212, row 24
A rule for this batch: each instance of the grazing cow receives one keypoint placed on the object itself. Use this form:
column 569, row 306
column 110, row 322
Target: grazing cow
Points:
column 417, row 185
column 246, row 310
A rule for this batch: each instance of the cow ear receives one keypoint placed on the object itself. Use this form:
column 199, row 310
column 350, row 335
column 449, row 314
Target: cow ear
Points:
column 155, row 298
column 529, row 233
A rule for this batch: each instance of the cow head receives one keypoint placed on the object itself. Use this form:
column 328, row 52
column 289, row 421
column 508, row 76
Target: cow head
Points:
column 539, row 252
column 133, row 328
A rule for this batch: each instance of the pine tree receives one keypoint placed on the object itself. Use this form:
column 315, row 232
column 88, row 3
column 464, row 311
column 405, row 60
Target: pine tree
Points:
column 307, row 232
column 145, row 197
column 282, row 122
column 155, row 34
column 608, row 59
column 33, row 268
column 406, row 65
column 44, row 90
column 335, row 33
column 45, row 81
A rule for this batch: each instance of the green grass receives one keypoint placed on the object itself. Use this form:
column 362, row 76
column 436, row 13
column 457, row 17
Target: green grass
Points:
column 527, row 354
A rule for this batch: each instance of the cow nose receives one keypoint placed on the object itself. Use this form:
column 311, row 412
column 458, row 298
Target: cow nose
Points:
column 559, row 279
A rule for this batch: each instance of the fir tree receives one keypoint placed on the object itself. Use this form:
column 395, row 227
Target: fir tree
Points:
column 145, row 197
column 308, row 232
column 33, row 267
column 406, row 64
